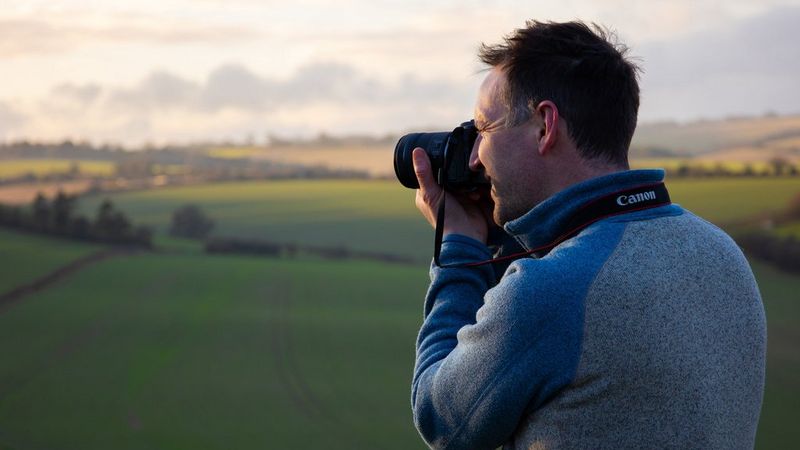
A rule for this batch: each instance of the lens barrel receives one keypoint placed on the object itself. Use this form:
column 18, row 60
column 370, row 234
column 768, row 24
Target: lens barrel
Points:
column 434, row 145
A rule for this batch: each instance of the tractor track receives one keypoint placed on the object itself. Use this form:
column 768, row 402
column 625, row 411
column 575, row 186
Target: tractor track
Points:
column 291, row 376
column 9, row 298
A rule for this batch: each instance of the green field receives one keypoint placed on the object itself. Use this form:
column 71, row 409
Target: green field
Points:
column 26, row 257
column 184, row 350
column 727, row 200
column 360, row 215
column 172, row 351
column 380, row 215
column 10, row 168
column 780, row 413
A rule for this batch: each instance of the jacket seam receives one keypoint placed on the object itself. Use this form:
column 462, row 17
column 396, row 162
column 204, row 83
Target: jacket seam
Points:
column 586, row 297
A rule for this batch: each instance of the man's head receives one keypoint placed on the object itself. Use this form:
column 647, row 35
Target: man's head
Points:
column 559, row 105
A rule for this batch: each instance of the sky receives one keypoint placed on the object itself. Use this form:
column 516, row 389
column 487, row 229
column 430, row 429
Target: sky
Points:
column 179, row 71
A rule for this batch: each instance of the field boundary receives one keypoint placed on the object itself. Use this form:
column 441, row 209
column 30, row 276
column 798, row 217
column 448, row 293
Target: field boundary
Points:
column 9, row 298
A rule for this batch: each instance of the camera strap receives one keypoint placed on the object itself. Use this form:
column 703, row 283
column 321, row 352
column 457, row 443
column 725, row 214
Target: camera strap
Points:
column 639, row 198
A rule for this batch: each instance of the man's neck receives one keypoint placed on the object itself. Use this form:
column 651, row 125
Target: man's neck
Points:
column 578, row 170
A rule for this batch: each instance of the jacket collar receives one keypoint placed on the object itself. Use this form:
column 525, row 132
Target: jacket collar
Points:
column 546, row 221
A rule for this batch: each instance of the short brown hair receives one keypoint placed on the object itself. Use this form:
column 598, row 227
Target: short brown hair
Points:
column 583, row 71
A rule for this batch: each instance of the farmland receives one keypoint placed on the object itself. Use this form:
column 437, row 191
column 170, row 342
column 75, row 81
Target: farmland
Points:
column 380, row 216
column 10, row 168
column 213, row 352
column 180, row 349
column 360, row 215
column 27, row 257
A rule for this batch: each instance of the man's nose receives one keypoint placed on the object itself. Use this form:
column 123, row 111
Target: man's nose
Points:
column 475, row 164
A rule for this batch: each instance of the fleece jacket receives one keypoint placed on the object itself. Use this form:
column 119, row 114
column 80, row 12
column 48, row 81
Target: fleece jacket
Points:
column 645, row 330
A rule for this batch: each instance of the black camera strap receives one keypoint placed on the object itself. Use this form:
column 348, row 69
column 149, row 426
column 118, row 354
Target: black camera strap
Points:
column 625, row 201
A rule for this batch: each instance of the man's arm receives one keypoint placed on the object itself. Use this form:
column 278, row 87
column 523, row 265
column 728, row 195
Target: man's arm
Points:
column 482, row 364
column 485, row 356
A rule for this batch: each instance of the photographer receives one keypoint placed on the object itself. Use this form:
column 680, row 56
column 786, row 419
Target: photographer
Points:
column 628, row 322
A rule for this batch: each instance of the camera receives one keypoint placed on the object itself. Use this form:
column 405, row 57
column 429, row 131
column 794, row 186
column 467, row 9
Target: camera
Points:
column 449, row 155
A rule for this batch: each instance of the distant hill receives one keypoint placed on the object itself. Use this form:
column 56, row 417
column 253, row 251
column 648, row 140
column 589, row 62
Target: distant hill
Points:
column 734, row 139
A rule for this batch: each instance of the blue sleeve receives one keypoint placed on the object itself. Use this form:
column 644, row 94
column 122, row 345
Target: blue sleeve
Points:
column 486, row 356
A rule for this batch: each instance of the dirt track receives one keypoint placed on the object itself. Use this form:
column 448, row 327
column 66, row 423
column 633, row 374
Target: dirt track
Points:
column 7, row 299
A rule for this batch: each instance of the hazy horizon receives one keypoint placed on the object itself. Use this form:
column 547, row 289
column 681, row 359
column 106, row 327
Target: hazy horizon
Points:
column 205, row 70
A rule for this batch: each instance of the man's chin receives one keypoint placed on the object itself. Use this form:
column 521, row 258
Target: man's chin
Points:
column 499, row 216
column 503, row 215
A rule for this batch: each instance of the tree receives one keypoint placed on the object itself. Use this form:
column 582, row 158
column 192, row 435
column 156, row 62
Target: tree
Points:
column 110, row 225
column 62, row 212
column 779, row 165
column 41, row 212
column 74, row 170
column 793, row 211
column 190, row 221
column 80, row 228
column 135, row 168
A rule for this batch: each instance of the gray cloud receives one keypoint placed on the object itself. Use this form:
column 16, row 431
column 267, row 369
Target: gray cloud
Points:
column 748, row 68
column 83, row 94
column 237, row 87
column 159, row 90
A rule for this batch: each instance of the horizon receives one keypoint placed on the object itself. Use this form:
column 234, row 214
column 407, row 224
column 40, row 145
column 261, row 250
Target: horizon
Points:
column 181, row 71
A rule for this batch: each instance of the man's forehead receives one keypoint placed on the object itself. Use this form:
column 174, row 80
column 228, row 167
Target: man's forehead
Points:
column 489, row 105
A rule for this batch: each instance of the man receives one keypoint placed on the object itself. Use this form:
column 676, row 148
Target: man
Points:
column 641, row 328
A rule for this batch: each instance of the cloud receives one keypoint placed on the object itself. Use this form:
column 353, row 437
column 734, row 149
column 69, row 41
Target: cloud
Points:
column 233, row 101
column 748, row 68
column 159, row 90
column 83, row 94
column 236, row 87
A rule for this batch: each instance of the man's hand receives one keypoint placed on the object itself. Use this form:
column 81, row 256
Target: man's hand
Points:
column 466, row 215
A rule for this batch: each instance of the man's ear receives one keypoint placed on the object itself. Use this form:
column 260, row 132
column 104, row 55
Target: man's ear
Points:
column 547, row 115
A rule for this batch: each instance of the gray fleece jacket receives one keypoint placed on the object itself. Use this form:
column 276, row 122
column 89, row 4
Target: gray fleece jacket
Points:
column 646, row 330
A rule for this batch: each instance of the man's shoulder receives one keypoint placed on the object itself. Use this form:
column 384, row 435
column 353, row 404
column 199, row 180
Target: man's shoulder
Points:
column 570, row 265
column 635, row 237
column 684, row 233
column 677, row 247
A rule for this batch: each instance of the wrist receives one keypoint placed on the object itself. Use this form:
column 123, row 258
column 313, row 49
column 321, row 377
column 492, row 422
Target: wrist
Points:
column 472, row 234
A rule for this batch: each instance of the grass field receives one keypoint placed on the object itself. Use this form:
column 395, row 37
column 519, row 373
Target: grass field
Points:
column 360, row 215
column 10, row 168
column 165, row 351
column 780, row 412
column 726, row 200
column 380, row 215
column 186, row 350
column 26, row 257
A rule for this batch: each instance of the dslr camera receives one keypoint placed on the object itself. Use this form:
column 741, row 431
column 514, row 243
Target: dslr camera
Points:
column 449, row 155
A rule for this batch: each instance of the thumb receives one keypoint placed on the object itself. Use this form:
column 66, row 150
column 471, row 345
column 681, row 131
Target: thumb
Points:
column 422, row 168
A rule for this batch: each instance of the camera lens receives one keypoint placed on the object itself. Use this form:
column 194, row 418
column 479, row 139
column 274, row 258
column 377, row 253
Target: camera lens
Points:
column 433, row 143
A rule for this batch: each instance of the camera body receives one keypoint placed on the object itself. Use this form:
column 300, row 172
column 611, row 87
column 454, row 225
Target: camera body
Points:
column 449, row 155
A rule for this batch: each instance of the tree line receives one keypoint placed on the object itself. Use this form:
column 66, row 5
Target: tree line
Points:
column 290, row 250
column 57, row 217
column 782, row 251
column 775, row 167
column 189, row 221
